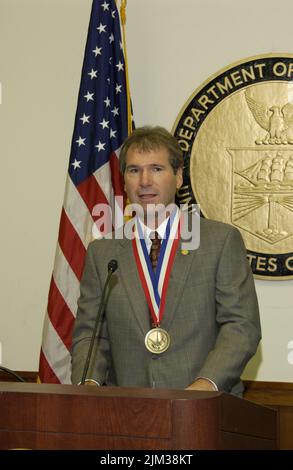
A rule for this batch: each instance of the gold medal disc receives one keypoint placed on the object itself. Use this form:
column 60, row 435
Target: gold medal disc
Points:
column 157, row 340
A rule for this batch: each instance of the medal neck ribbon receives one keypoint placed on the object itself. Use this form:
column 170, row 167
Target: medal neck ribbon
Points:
column 155, row 284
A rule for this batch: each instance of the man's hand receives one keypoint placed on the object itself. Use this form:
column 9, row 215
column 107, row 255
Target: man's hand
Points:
column 202, row 384
column 91, row 382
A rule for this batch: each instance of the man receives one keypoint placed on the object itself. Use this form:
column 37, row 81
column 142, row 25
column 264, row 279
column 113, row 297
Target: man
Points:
column 191, row 322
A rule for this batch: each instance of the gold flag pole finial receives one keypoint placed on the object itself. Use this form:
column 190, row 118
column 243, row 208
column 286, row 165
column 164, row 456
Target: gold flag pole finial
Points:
column 123, row 22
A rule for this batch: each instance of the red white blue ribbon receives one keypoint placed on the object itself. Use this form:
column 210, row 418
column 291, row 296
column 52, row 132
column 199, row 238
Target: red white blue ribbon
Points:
column 155, row 284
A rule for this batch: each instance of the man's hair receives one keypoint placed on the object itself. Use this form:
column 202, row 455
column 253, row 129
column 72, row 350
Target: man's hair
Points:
column 146, row 139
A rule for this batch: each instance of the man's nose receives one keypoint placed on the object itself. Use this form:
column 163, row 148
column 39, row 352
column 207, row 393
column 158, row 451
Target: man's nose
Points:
column 145, row 178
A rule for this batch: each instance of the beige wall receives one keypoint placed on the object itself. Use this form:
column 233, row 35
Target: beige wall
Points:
column 173, row 46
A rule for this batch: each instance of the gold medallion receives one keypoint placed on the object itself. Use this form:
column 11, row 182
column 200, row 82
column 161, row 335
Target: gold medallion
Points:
column 157, row 340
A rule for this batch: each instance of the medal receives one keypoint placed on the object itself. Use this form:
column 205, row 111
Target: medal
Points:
column 155, row 284
column 157, row 340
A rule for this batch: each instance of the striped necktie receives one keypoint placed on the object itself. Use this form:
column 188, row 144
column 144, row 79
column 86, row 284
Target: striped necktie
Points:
column 155, row 249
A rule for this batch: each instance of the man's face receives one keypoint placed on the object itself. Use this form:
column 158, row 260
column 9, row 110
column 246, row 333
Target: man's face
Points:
column 149, row 178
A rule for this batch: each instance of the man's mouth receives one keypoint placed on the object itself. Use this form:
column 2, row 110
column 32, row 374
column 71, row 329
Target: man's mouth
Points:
column 147, row 197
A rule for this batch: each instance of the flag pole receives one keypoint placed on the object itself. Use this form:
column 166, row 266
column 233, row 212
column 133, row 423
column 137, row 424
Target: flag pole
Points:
column 123, row 22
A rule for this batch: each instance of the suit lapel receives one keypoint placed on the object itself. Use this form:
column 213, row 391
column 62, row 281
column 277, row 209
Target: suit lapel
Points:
column 179, row 274
column 132, row 285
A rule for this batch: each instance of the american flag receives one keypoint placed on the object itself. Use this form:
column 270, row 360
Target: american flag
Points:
column 102, row 123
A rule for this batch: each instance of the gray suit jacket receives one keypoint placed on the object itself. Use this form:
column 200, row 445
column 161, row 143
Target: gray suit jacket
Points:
column 211, row 315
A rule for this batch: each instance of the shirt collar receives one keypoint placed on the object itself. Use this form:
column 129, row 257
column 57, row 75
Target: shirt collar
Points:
column 161, row 229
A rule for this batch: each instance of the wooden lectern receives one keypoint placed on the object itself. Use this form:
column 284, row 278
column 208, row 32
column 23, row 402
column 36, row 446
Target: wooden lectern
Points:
column 70, row 417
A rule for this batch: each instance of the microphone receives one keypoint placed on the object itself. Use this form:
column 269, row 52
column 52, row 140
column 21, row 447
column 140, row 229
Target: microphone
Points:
column 11, row 372
column 112, row 266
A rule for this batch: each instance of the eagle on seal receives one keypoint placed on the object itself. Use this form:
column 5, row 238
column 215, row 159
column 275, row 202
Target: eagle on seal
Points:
column 276, row 120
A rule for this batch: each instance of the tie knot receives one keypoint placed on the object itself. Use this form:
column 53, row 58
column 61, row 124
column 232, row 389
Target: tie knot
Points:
column 154, row 236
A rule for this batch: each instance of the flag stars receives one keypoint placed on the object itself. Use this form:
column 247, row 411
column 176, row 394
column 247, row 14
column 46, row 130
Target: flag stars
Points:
column 113, row 13
column 120, row 66
column 76, row 164
column 102, row 28
column 85, row 119
column 104, row 124
column 100, row 146
column 105, row 6
column 111, row 38
column 113, row 134
column 89, row 96
column 118, row 88
column 80, row 141
column 97, row 51
column 115, row 111
column 93, row 74
column 107, row 102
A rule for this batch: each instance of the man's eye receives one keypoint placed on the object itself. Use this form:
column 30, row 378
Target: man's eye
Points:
column 132, row 170
column 157, row 168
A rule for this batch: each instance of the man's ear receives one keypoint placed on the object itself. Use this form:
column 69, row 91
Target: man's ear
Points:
column 179, row 178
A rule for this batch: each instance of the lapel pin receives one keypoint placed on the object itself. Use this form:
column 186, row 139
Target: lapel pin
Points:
column 184, row 252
